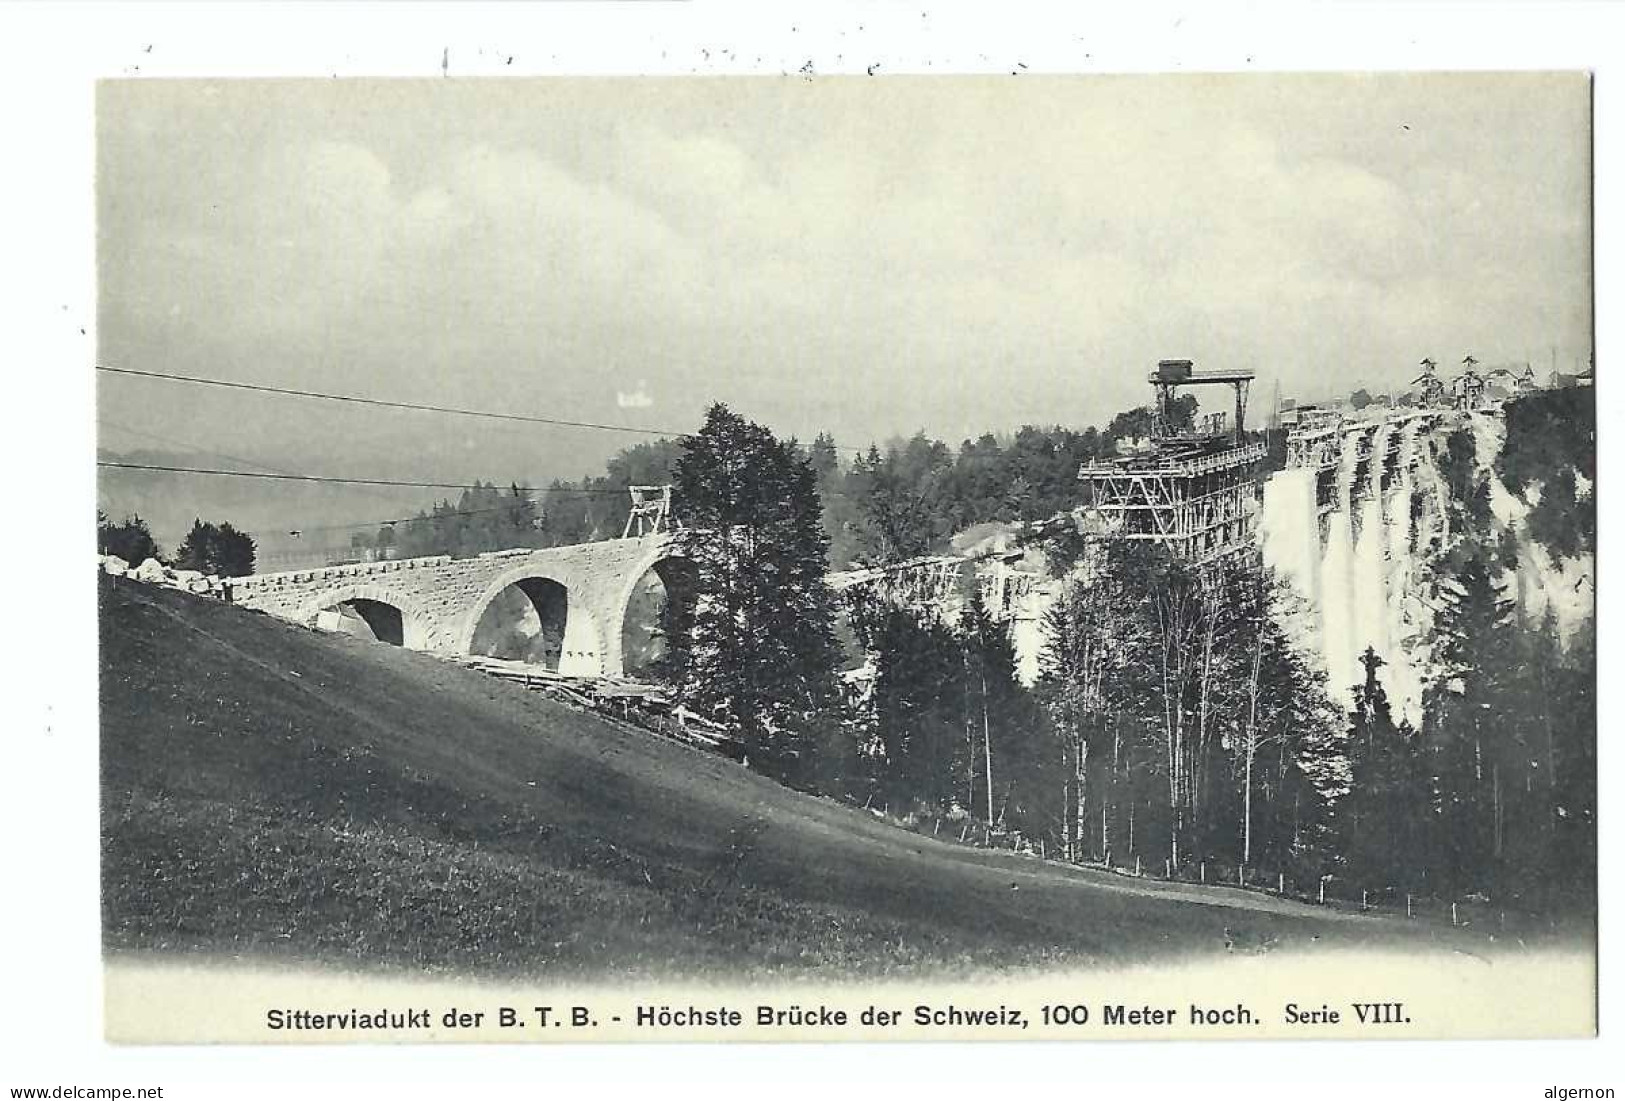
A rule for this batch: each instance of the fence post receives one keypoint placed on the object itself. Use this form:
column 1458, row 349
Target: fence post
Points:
column 1167, row 868
column 1280, row 883
column 1323, row 890
column 1452, row 913
column 1041, row 853
column 1203, row 871
column 1241, row 875
column 936, row 827
column 962, row 831
column 1136, row 863
column 1407, row 904
column 1363, row 904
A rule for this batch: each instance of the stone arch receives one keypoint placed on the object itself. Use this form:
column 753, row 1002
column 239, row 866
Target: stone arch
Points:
column 553, row 596
column 676, row 573
column 371, row 601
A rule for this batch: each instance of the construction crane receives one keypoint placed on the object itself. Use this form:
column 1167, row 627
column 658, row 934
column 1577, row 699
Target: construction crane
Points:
column 1171, row 374
column 1195, row 492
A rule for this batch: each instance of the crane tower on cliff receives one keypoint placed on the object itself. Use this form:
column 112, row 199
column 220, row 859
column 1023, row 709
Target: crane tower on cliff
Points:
column 1196, row 490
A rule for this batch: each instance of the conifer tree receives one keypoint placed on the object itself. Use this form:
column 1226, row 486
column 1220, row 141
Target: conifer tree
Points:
column 1015, row 748
column 1466, row 722
column 220, row 550
column 131, row 540
column 1385, row 815
column 760, row 654
column 921, row 712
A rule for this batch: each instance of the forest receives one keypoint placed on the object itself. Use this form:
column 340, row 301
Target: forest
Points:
column 881, row 505
column 219, row 550
column 1175, row 723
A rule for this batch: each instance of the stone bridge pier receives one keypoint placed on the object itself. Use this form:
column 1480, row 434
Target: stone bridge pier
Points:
column 580, row 593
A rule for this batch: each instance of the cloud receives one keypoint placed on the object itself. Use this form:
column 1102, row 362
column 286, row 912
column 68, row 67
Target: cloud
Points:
column 952, row 256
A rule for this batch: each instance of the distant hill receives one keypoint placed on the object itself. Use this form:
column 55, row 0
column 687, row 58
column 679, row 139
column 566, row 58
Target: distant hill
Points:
column 325, row 515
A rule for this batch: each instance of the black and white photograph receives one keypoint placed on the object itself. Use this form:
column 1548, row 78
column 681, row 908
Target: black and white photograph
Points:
column 637, row 542
column 655, row 533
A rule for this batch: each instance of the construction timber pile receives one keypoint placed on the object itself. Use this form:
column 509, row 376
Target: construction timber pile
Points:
column 1195, row 487
column 648, row 707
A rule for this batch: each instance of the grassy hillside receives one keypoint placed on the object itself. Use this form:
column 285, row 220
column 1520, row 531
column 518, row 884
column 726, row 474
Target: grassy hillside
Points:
column 271, row 791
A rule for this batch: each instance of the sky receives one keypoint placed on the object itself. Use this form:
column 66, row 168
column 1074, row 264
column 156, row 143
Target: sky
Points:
column 868, row 257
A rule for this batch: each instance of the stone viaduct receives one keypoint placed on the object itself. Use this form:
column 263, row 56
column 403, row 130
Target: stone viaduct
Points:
column 582, row 591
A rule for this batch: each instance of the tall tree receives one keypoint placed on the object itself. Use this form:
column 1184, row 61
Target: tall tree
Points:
column 921, row 717
column 1178, row 608
column 220, row 550
column 1386, row 814
column 905, row 506
column 760, row 654
column 1011, row 748
column 1464, row 719
column 1296, row 742
column 1119, row 676
column 1086, row 682
column 130, row 540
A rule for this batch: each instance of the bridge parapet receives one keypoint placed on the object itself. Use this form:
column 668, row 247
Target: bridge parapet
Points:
column 330, row 573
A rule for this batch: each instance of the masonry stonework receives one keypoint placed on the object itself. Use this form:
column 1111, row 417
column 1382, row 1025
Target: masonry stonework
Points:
column 441, row 598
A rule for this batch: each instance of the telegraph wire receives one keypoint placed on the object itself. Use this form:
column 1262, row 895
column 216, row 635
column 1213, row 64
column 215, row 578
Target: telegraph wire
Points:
column 426, row 518
column 357, row 399
column 420, row 407
column 175, row 441
column 197, row 448
column 527, row 496
column 268, row 472
column 326, row 479
column 529, row 491
column 281, row 476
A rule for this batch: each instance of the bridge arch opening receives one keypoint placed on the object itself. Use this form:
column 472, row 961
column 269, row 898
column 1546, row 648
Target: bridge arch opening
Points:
column 373, row 620
column 659, row 605
column 527, row 621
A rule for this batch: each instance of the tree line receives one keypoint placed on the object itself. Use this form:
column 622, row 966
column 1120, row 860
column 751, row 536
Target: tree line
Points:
column 886, row 504
column 1175, row 717
column 483, row 518
column 219, row 550
column 1495, row 790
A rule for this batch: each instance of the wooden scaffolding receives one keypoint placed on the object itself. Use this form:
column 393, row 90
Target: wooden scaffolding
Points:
column 1197, row 489
column 1201, row 507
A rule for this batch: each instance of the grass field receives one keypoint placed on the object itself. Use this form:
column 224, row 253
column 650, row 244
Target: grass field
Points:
column 268, row 791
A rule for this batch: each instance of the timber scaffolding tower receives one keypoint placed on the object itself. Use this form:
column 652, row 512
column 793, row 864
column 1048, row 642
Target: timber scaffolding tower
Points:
column 650, row 513
column 1195, row 489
